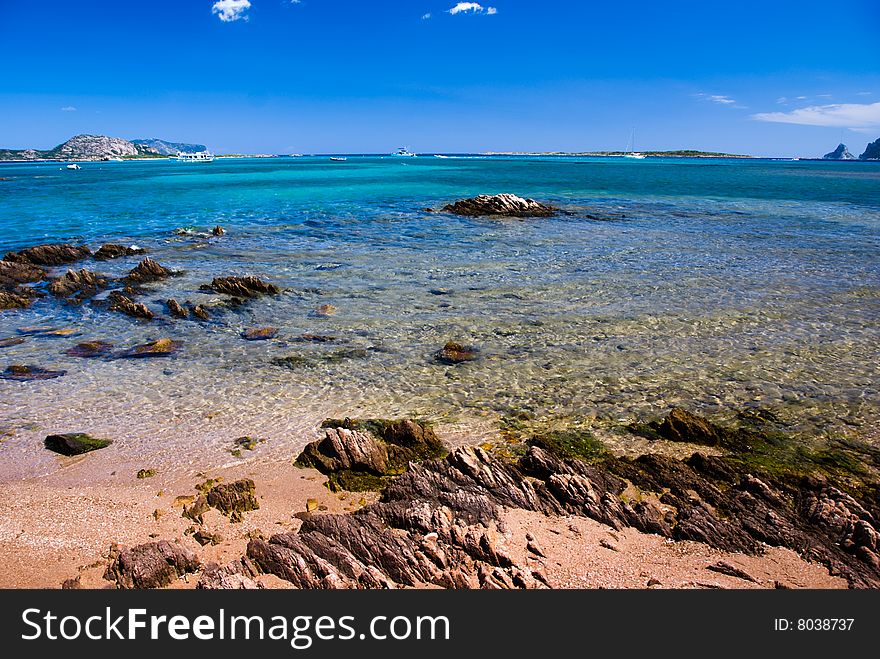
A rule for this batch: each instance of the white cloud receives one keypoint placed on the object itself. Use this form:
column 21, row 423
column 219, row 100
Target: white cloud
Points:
column 425, row 17
column 472, row 8
column 231, row 10
column 68, row 108
column 718, row 98
column 839, row 115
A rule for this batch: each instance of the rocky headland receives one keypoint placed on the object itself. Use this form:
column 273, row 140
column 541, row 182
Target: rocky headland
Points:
column 101, row 147
column 840, row 153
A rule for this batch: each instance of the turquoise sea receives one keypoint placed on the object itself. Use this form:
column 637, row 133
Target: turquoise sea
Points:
column 712, row 284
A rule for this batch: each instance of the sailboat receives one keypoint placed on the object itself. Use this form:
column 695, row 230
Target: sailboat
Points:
column 630, row 152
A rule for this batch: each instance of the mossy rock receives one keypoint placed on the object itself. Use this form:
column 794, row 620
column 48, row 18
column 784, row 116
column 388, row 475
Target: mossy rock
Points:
column 571, row 444
column 356, row 481
column 75, row 443
column 146, row 473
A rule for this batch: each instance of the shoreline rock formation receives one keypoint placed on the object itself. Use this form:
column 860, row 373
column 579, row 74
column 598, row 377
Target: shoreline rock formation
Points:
column 499, row 205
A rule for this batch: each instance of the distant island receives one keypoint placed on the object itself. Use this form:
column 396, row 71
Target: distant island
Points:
column 101, row 147
column 683, row 153
column 840, row 153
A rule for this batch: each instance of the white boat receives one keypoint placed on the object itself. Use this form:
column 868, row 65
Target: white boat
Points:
column 403, row 152
column 631, row 152
column 437, row 155
column 201, row 156
column 73, row 165
column 337, row 159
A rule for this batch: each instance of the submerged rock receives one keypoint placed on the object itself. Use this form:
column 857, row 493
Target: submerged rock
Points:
column 82, row 283
column 49, row 255
column 151, row 565
column 360, row 454
column 455, row 353
column 501, row 205
column 75, row 443
column 315, row 338
column 158, row 348
column 124, row 304
column 90, row 349
column 260, row 333
column 246, row 287
column 218, row 231
column 148, row 271
column 113, row 251
column 11, row 341
column 201, row 312
column 21, row 373
column 47, row 330
column 324, row 311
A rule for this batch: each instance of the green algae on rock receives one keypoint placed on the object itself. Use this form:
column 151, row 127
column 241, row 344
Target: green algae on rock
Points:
column 146, row 473
column 232, row 499
column 75, row 443
column 26, row 373
column 158, row 348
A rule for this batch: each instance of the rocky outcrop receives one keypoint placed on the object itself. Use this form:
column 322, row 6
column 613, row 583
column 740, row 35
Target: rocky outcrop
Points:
column 14, row 273
column 49, row 255
column 437, row 523
column 124, row 304
column 244, row 287
column 82, row 284
column 75, row 443
column 147, row 271
column 176, row 309
column 840, row 153
column 361, row 454
column 232, row 499
column 10, row 300
column 151, row 565
column 113, row 251
column 872, row 151
column 500, row 205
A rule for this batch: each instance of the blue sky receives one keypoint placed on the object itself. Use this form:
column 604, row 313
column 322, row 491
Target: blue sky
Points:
column 768, row 78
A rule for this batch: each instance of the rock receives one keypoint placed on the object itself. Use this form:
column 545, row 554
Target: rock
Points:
column 47, row 330
column 359, row 454
column 201, row 312
column 682, row 426
column 872, row 151
column 455, row 353
column 12, row 274
column 158, row 348
column 311, row 504
column 22, row 373
column 49, row 255
column 146, row 473
column 218, row 231
column 237, row 575
column 90, row 349
column 439, row 291
column 723, row 567
column 13, row 301
column 245, row 287
column 75, row 443
column 123, row 304
column 840, row 153
column 502, row 205
column 148, row 271
column 324, row 311
column 113, row 251
column 533, row 547
column 233, row 499
column 151, row 565
column 315, row 338
column 11, row 341
column 205, row 538
column 259, row 333
column 176, row 309
column 82, row 283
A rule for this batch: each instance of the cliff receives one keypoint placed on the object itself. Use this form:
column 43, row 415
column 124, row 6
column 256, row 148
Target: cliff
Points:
column 840, row 153
column 872, row 151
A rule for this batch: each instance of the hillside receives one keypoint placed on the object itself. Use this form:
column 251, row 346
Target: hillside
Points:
column 101, row 147
column 840, row 153
column 164, row 148
column 872, row 151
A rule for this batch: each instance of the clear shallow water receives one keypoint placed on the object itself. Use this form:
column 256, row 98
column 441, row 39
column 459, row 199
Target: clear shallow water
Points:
column 715, row 285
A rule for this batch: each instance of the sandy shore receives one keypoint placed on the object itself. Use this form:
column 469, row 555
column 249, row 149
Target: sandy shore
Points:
column 62, row 526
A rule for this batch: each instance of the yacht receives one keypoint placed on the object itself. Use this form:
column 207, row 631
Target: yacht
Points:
column 403, row 152
column 630, row 152
column 73, row 165
column 338, row 159
column 201, row 156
